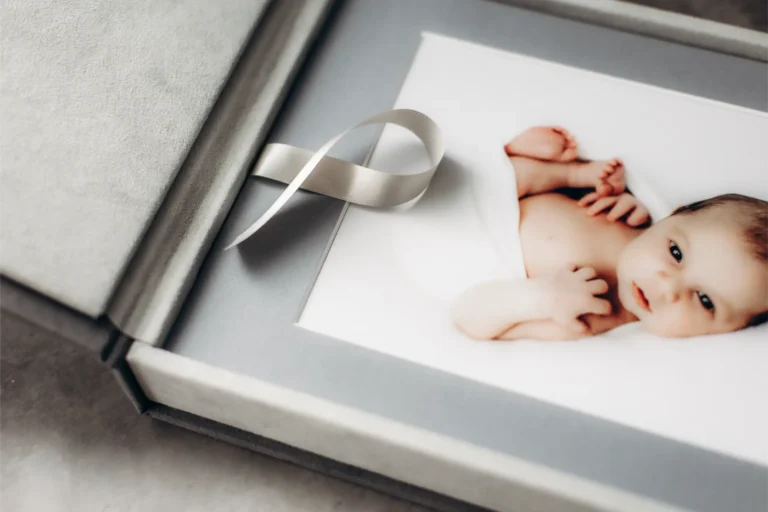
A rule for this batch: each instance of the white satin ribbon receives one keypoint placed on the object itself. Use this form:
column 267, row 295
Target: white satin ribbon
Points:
column 300, row 168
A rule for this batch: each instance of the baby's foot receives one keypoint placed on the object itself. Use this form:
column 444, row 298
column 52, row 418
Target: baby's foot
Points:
column 607, row 177
column 550, row 143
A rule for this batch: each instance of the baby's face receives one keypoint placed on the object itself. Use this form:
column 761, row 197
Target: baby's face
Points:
column 690, row 275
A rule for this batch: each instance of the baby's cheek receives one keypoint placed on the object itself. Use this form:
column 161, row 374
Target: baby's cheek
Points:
column 631, row 265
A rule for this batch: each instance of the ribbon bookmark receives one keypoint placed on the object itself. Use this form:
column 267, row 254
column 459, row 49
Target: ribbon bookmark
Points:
column 345, row 180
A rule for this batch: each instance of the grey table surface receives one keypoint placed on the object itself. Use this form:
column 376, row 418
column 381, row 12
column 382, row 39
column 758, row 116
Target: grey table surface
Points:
column 69, row 441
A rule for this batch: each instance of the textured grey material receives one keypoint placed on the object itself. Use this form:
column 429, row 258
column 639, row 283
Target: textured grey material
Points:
column 310, row 460
column 100, row 102
column 71, row 442
column 164, row 268
column 240, row 314
column 669, row 24
column 751, row 14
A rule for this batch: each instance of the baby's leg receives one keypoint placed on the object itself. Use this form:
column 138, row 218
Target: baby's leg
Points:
column 550, row 143
column 537, row 177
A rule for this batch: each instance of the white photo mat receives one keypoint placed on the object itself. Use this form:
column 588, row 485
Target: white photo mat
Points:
column 389, row 275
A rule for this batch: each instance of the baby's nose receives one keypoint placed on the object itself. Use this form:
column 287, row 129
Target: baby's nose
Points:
column 672, row 296
column 669, row 287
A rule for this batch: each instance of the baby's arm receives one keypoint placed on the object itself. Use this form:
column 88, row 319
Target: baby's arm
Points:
column 492, row 310
column 552, row 330
column 489, row 309
column 541, row 330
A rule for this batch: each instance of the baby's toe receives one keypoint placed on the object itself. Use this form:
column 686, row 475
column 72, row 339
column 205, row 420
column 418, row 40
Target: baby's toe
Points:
column 569, row 154
column 607, row 172
column 562, row 132
column 611, row 168
column 604, row 189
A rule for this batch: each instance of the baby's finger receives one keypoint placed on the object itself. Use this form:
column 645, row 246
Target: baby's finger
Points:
column 601, row 204
column 597, row 286
column 639, row 216
column 589, row 199
column 599, row 307
column 623, row 206
column 577, row 326
column 586, row 273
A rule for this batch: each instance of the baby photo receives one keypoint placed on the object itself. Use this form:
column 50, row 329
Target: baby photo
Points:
column 593, row 260
column 590, row 241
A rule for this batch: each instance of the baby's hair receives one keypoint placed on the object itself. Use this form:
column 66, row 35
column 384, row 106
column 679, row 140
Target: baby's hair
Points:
column 753, row 216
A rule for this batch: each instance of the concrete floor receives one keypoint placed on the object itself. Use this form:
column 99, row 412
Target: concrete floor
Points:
column 70, row 441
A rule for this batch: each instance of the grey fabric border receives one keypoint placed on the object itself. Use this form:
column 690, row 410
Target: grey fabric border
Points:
column 662, row 24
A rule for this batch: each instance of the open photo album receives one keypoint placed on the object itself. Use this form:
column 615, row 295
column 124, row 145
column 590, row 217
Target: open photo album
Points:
column 588, row 241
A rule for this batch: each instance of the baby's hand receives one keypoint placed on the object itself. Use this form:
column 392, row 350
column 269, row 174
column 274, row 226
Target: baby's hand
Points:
column 571, row 294
column 617, row 206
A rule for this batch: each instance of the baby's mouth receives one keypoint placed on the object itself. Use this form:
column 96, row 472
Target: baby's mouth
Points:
column 639, row 296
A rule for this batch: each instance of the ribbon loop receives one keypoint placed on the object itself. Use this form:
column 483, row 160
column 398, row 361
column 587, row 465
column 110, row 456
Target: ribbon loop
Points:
column 316, row 172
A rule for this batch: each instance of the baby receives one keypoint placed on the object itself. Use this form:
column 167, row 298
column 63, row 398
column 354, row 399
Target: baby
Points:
column 595, row 263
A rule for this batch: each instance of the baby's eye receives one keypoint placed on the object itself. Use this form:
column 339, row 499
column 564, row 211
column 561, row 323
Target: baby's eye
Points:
column 675, row 251
column 706, row 301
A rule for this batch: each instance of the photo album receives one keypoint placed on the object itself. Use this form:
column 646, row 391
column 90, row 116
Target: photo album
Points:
column 592, row 242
